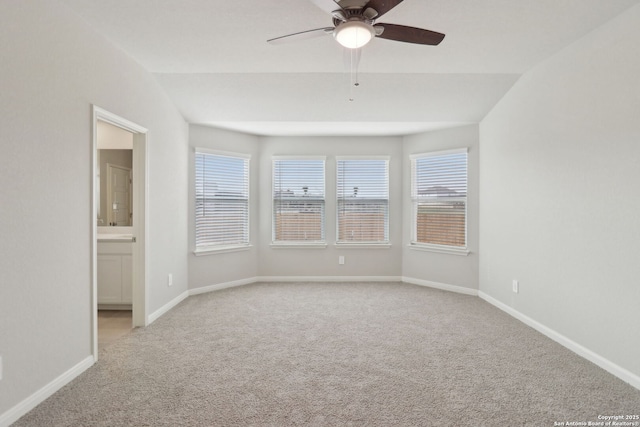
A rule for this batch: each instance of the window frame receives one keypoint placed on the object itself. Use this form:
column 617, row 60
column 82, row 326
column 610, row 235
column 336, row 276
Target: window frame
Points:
column 363, row 243
column 433, row 247
column 214, row 248
column 309, row 244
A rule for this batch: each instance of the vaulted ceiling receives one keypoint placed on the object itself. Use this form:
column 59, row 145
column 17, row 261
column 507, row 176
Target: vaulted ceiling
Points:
column 212, row 58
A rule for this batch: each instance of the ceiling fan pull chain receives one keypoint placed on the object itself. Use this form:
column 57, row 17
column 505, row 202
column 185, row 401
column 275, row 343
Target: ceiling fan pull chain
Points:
column 354, row 55
column 351, row 76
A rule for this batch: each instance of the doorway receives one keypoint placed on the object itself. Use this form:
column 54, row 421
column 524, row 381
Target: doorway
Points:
column 125, row 215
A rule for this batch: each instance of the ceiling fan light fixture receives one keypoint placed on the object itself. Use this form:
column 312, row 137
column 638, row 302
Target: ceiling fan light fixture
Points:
column 354, row 34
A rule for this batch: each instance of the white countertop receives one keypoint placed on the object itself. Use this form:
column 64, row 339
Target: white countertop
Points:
column 115, row 238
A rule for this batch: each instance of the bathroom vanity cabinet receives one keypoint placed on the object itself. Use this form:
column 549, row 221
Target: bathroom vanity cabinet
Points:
column 115, row 274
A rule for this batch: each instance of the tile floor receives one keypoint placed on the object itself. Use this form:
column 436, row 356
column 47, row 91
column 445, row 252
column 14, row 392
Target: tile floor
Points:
column 112, row 324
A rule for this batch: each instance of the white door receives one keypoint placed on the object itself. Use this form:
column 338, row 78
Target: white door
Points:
column 119, row 195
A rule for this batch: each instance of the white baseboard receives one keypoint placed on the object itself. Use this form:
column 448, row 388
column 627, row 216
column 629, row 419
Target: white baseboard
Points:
column 329, row 279
column 606, row 364
column 168, row 306
column 267, row 279
column 13, row 414
column 248, row 281
column 225, row 285
column 441, row 286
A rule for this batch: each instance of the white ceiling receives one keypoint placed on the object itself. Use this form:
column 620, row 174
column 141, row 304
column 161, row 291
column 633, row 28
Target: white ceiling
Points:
column 212, row 58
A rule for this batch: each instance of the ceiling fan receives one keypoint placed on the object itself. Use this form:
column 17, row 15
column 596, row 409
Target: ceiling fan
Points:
column 354, row 24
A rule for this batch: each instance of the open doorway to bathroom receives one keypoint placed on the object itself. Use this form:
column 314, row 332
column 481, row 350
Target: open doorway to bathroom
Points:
column 119, row 228
column 114, row 199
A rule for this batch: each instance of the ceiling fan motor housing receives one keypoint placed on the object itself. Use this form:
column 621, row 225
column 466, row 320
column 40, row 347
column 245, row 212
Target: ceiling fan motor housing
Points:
column 355, row 30
column 353, row 14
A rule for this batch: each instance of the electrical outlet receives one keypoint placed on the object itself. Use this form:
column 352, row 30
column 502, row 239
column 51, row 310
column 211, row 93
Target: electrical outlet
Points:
column 515, row 286
column 170, row 279
column 341, row 260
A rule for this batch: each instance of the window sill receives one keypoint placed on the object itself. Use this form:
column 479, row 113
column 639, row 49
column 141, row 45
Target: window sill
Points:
column 439, row 249
column 298, row 245
column 213, row 250
column 362, row 245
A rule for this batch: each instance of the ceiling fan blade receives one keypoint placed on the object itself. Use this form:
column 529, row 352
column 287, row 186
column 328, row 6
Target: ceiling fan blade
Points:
column 302, row 35
column 406, row 34
column 326, row 5
column 383, row 6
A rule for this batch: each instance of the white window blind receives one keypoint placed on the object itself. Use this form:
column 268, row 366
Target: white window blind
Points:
column 222, row 200
column 363, row 200
column 298, row 200
column 439, row 195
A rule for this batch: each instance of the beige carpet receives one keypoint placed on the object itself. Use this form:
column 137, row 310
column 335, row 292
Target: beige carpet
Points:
column 336, row 354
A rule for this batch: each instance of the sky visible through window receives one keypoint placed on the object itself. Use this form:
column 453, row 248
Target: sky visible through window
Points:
column 441, row 176
column 226, row 171
column 362, row 179
column 299, row 178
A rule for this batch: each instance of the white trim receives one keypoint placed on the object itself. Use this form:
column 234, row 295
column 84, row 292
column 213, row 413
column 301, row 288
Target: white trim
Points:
column 222, row 249
column 168, row 306
column 222, row 153
column 271, row 279
column 298, row 245
column 140, row 301
column 439, row 249
column 13, row 414
column 439, row 153
column 118, row 121
column 329, row 279
column 93, row 235
column 606, row 364
column 220, row 286
column 441, row 286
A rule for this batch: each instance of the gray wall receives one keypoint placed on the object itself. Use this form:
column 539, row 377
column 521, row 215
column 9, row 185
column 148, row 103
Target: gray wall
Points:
column 217, row 268
column 437, row 267
column 262, row 260
column 53, row 69
column 559, row 186
column 324, row 262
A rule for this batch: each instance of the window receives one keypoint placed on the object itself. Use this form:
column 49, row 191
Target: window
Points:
column 222, row 200
column 298, row 200
column 363, row 200
column 439, row 196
